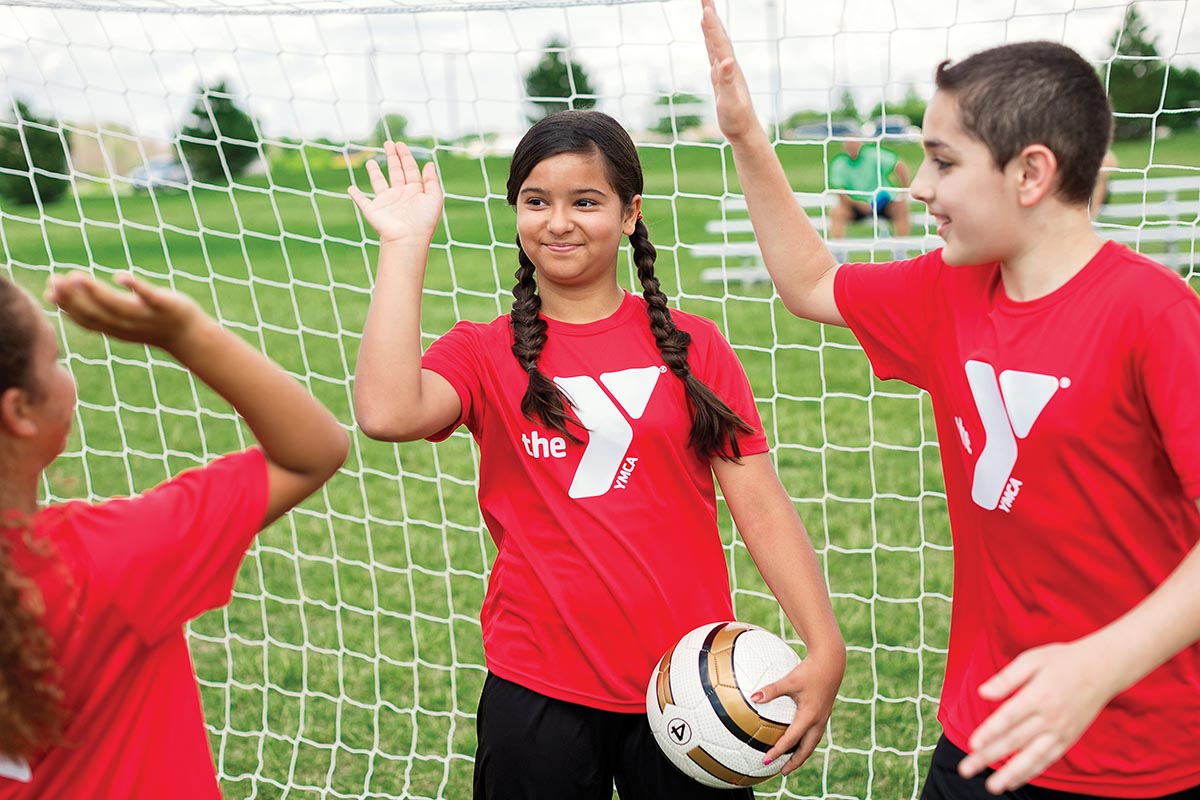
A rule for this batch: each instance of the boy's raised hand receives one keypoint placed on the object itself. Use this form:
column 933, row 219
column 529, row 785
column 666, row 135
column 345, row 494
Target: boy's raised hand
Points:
column 735, row 112
column 144, row 315
column 408, row 202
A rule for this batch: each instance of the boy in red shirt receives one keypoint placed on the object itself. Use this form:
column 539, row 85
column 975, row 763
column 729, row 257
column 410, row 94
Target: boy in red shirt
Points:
column 1062, row 370
column 97, row 694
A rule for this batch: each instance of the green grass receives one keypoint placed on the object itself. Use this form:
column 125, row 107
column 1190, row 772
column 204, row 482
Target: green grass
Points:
column 349, row 662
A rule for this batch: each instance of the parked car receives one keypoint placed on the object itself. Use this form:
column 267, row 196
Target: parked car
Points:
column 159, row 172
column 825, row 130
column 892, row 125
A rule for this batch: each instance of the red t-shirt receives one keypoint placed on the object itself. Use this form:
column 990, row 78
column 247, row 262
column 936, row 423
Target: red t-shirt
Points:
column 120, row 580
column 608, row 549
column 1070, row 441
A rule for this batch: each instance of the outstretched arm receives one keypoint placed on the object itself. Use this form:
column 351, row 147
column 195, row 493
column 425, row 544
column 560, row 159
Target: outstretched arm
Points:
column 394, row 399
column 1055, row 692
column 800, row 264
column 303, row 443
column 780, row 547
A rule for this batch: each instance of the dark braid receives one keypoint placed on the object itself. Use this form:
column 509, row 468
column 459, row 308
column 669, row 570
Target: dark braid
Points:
column 714, row 424
column 543, row 399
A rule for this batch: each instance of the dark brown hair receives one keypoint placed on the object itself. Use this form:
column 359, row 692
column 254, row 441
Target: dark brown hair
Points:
column 715, row 426
column 1012, row 96
column 31, row 713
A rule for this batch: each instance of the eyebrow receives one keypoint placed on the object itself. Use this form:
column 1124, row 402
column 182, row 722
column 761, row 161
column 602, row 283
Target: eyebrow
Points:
column 539, row 190
column 936, row 144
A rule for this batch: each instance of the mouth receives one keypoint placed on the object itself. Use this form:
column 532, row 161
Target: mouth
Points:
column 560, row 247
column 943, row 222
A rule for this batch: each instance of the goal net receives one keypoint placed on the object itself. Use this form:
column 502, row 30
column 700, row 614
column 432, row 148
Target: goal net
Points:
column 349, row 662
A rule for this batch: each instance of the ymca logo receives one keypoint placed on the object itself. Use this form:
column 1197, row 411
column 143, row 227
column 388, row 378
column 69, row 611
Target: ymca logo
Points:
column 1008, row 407
column 604, row 464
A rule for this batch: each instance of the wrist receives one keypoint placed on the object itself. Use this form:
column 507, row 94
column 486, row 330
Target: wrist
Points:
column 191, row 339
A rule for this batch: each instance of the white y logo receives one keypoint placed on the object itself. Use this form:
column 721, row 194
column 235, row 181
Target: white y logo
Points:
column 609, row 434
column 1007, row 408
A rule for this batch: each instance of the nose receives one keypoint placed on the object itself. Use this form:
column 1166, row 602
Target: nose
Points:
column 560, row 219
column 922, row 183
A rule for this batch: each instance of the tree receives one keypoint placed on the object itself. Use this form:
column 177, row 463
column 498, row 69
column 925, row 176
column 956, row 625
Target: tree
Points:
column 847, row 109
column 390, row 126
column 32, row 143
column 681, row 113
column 912, row 106
column 552, row 78
column 1135, row 77
column 219, row 139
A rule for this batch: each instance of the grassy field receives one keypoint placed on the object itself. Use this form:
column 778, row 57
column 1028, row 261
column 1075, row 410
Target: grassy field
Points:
column 349, row 662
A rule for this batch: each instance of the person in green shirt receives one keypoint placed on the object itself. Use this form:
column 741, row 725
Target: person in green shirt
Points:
column 864, row 173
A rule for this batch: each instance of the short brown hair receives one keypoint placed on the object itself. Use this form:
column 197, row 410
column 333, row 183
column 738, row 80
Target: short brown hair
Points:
column 1015, row 95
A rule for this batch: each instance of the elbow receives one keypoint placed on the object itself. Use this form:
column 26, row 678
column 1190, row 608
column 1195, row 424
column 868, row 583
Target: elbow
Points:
column 380, row 426
column 339, row 449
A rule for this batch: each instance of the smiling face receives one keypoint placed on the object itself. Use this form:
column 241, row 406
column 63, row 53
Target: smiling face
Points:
column 974, row 202
column 571, row 221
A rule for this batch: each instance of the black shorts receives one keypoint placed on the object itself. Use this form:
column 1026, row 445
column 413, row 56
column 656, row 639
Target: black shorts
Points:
column 944, row 783
column 533, row 746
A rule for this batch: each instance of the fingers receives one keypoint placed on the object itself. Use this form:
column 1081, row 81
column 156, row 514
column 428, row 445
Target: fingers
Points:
column 93, row 305
column 433, row 184
column 808, row 745
column 997, row 743
column 1009, row 679
column 716, row 38
column 408, row 163
column 1025, row 765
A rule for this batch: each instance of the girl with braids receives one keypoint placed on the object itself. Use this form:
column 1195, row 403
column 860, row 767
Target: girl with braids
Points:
column 601, row 418
column 97, row 695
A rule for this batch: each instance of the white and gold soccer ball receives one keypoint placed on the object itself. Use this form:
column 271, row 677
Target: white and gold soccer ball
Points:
column 699, row 703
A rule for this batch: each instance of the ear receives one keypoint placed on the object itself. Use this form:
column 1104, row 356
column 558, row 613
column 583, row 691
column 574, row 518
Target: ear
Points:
column 15, row 417
column 631, row 215
column 1036, row 171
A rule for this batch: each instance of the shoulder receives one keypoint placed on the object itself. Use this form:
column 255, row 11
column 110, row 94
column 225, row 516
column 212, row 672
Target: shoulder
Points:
column 467, row 333
column 698, row 326
column 1141, row 281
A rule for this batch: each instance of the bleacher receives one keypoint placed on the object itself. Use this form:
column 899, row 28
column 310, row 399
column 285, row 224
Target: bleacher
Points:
column 1157, row 216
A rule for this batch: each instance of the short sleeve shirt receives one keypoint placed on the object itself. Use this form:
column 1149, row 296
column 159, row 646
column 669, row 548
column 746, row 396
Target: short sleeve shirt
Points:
column 1070, row 444
column 608, row 548
column 119, row 580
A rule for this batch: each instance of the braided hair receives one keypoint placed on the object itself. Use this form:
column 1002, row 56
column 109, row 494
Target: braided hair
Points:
column 715, row 426
column 31, row 714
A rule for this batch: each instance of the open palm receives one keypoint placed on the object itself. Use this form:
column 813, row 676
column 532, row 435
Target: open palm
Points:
column 408, row 202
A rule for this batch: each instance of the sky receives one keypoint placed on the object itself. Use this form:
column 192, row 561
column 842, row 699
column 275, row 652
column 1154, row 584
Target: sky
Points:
column 329, row 68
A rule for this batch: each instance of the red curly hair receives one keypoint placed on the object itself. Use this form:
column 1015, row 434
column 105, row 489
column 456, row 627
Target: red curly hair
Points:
column 31, row 712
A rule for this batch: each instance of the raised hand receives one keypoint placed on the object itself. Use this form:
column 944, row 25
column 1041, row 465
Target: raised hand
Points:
column 144, row 315
column 735, row 112
column 408, row 202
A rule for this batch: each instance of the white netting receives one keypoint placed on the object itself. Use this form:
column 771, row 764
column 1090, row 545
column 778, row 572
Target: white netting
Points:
column 349, row 662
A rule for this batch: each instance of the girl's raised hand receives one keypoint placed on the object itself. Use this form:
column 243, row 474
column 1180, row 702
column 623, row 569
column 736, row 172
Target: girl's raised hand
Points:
column 735, row 112
column 144, row 315
column 408, row 202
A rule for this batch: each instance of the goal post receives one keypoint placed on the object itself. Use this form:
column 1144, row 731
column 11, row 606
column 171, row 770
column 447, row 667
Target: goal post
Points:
column 350, row 661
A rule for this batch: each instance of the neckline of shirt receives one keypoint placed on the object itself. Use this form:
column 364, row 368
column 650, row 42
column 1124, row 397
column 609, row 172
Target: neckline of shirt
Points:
column 629, row 306
column 1092, row 270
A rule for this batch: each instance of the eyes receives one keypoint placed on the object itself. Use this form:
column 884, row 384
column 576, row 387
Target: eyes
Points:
column 582, row 202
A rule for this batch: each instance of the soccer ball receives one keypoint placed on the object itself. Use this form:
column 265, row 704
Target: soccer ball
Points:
column 699, row 703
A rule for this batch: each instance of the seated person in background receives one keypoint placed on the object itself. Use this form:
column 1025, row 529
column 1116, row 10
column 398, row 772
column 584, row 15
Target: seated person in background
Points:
column 1100, row 193
column 864, row 172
